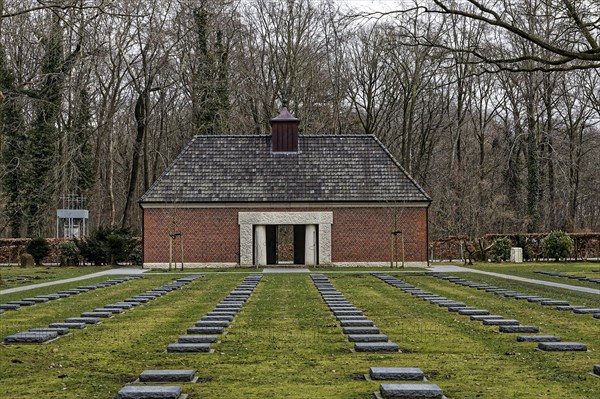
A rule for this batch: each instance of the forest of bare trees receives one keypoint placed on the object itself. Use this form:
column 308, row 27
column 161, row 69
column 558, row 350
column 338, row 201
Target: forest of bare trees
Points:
column 493, row 106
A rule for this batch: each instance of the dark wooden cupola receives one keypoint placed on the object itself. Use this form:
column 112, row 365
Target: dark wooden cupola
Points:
column 284, row 128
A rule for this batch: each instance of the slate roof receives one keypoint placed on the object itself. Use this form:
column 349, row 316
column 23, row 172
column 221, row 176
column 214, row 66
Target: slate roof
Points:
column 243, row 169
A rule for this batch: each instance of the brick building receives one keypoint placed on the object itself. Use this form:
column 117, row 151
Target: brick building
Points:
column 226, row 199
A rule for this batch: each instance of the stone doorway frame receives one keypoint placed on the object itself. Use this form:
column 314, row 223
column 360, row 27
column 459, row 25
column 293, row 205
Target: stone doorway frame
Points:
column 248, row 220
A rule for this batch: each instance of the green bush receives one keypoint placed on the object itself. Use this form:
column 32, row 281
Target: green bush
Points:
column 38, row 248
column 69, row 253
column 500, row 250
column 107, row 245
column 558, row 245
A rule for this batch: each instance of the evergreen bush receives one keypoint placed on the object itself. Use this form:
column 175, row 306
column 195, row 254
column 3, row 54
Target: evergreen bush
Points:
column 69, row 253
column 558, row 245
column 107, row 245
column 38, row 248
column 500, row 250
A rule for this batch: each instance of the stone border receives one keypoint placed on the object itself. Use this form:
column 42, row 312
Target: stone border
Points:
column 247, row 220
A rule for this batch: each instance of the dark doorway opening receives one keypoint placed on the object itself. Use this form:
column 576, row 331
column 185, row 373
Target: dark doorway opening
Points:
column 299, row 231
column 272, row 247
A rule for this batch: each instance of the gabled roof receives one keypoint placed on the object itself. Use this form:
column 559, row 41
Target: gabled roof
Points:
column 327, row 168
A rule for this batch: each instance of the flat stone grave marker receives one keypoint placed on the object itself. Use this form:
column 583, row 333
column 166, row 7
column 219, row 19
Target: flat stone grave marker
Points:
column 148, row 391
column 538, row 338
column 525, row 296
column 111, row 310
column 50, row 297
column 356, row 323
column 586, row 310
column 376, row 347
column 367, row 338
column 538, row 299
column 197, row 339
column 348, row 313
column 30, row 337
column 458, row 309
column 596, row 369
column 562, row 347
column 205, row 330
column 396, row 373
column 168, row 376
column 519, row 329
column 10, row 306
column 218, row 318
column 58, row 330
column 222, row 313
column 21, row 303
column 37, row 300
column 86, row 320
column 212, row 323
column 500, row 322
column 486, row 317
column 189, row 348
column 405, row 391
column 351, row 318
column 78, row 326
column 104, row 315
column 360, row 330
column 118, row 306
column 452, row 304
column 555, row 303
column 596, row 315
column 569, row 307
column 474, row 312
column 136, row 299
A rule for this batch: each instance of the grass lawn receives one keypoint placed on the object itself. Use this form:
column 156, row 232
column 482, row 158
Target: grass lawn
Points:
column 42, row 274
column 286, row 344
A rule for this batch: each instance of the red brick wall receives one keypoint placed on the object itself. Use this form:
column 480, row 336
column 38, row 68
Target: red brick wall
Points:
column 211, row 235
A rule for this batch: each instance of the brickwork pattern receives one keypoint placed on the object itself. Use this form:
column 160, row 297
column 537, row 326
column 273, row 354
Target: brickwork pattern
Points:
column 211, row 235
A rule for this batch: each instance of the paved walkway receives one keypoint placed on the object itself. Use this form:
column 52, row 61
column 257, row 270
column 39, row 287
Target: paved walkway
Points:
column 285, row 270
column 110, row 272
column 459, row 269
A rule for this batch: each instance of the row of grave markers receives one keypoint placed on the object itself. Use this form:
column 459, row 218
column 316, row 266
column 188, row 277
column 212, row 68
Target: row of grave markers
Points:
column 198, row 340
column 559, row 304
column 16, row 305
column 58, row 329
column 571, row 276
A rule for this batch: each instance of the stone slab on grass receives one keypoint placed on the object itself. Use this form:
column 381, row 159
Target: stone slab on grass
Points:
column 104, row 315
column 562, row 347
column 217, row 318
column 189, row 348
column 459, row 308
column 197, row 339
column 586, row 310
column 111, row 310
column 356, row 323
column 569, row 307
column 500, row 322
column 167, row 375
column 555, row 303
column 376, row 347
column 474, row 312
column 361, row 330
column 78, row 326
column 86, row 320
column 396, row 373
column 348, row 313
column 58, row 330
column 519, row 329
column 596, row 369
column 30, row 337
column 367, row 338
column 205, row 330
column 212, row 323
column 37, row 300
column 410, row 391
column 10, row 306
column 149, row 392
column 486, row 317
column 538, row 338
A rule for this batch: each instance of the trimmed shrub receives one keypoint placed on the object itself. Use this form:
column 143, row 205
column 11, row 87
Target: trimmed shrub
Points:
column 107, row 245
column 38, row 248
column 69, row 253
column 500, row 250
column 558, row 245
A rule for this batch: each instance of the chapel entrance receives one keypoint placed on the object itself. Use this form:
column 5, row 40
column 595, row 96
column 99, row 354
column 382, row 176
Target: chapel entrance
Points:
column 286, row 244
